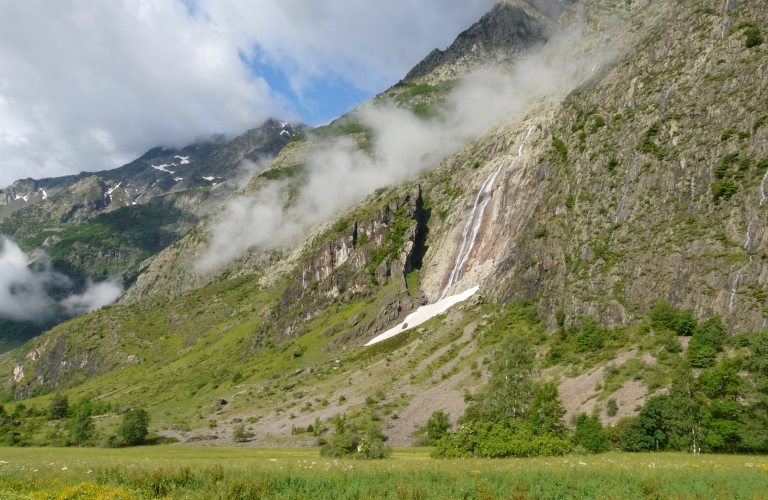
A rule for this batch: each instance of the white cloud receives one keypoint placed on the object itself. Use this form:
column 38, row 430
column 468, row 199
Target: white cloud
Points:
column 88, row 84
column 405, row 146
column 27, row 294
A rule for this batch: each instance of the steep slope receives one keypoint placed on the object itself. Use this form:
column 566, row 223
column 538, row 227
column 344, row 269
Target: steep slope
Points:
column 512, row 29
column 593, row 202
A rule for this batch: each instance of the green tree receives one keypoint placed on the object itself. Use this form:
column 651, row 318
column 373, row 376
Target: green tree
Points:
column 545, row 415
column 647, row 431
column 511, row 386
column 754, row 429
column 437, row 427
column 663, row 316
column 590, row 434
column 135, row 426
column 685, row 324
column 82, row 426
column 59, row 407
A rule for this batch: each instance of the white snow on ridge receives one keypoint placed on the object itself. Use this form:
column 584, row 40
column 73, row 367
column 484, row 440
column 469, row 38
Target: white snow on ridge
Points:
column 184, row 159
column 283, row 124
column 110, row 191
column 209, row 179
column 424, row 314
column 178, row 179
column 285, row 132
column 163, row 168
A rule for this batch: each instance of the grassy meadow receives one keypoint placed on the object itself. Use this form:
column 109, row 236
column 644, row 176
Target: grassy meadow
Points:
column 247, row 473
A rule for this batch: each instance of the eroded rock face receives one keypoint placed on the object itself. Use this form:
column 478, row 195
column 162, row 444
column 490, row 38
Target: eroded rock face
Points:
column 509, row 31
column 356, row 258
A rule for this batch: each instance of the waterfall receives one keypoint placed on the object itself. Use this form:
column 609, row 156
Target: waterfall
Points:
column 472, row 227
column 725, row 18
column 520, row 151
column 749, row 236
column 734, row 288
column 762, row 190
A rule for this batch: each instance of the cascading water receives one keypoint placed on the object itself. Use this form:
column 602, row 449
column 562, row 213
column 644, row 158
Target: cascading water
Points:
column 520, row 151
column 734, row 288
column 747, row 243
column 725, row 18
column 472, row 227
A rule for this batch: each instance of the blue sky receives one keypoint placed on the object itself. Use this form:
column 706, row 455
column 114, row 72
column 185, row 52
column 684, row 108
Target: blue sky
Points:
column 320, row 101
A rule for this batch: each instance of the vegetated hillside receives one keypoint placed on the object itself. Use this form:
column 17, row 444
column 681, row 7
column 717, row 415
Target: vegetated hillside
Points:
column 575, row 217
column 107, row 225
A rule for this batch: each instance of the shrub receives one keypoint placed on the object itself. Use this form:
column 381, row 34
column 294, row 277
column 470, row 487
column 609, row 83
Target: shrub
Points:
column 685, row 324
column 560, row 148
column 590, row 434
column 612, row 408
column 723, row 189
column 135, row 427
column 754, row 37
column 591, row 336
column 560, row 318
column 663, row 315
column 59, row 407
column 239, row 434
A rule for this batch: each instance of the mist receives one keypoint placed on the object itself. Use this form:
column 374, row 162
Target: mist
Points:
column 339, row 174
column 28, row 294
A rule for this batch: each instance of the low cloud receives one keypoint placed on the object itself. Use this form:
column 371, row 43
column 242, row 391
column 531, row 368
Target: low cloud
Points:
column 90, row 85
column 34, row 294
column 405, row 145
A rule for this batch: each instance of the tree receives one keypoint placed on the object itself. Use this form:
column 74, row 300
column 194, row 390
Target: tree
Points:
column 512, row 384
column 59, row 407
column 82, row 426
column 663, row 316
column 545, row 415
column 590, row 434
column 437, row 427
column 134, row 428
column 755, row 427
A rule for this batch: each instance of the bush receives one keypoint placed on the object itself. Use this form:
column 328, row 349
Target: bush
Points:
column 612, row 408
column 754, row 37
column 59, row 407
column 239, row 434
column 590, row 434
column 591, row 337
column 499, row 440
column 135, row 427
column 724, row 189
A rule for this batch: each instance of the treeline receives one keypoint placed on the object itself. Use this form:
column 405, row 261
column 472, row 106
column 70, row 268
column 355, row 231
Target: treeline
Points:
column 71, row 425
column 717, row 402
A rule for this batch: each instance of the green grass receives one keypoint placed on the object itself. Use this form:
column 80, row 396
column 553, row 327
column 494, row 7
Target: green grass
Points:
column 206, row 472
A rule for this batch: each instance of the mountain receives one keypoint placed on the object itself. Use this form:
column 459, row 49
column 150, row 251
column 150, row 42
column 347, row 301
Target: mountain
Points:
column 108, row 225
column 626, row 183
column 512, row 29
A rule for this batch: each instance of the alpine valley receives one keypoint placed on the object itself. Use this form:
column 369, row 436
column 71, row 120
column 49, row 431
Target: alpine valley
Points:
column 598, row 168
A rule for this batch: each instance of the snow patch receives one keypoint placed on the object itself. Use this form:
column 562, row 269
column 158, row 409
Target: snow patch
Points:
column 283, row 124
column 184, row 159
column 424, row 314
column 210, row 179
column 163, row 168
column 110, row 191
column 178, row 179
column 285, row 132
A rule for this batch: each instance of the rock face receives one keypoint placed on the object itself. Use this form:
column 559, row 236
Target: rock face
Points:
column 362, row 252
column 512, row 29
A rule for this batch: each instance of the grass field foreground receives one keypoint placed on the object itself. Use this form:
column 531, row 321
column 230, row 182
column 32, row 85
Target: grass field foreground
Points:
column 240, row 473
